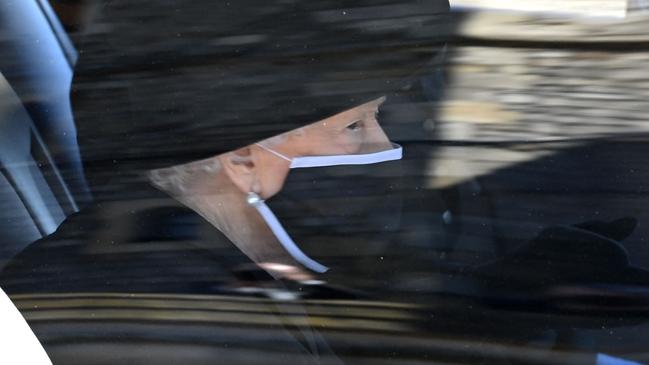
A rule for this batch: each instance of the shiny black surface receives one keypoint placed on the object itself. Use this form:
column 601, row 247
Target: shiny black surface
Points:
column 503, row 239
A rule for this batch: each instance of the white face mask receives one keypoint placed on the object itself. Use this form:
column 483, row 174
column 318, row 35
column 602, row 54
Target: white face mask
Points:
column 395, row 153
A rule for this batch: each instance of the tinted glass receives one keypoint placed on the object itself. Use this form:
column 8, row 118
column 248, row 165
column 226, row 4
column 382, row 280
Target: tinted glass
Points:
column 456, row 185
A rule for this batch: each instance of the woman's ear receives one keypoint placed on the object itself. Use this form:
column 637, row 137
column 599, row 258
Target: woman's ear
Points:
column 240, row 167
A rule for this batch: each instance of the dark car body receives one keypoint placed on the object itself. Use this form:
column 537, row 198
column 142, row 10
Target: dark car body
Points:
column 523, row 224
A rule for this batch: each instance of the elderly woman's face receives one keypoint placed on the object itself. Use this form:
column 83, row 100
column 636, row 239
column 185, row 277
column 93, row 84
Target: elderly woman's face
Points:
column 353, row 131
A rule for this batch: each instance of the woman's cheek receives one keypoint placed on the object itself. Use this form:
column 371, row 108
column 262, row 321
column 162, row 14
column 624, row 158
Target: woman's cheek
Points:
column 352, row 142
column 274, row 178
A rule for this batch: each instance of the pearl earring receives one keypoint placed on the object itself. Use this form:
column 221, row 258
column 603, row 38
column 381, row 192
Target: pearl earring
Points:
column 253, row 198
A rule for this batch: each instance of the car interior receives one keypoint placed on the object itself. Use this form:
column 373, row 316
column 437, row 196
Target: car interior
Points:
column 41, row 178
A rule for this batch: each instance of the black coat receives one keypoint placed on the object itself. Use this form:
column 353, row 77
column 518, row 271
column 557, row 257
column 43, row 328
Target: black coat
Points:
column 144, row 245
column 116, row 256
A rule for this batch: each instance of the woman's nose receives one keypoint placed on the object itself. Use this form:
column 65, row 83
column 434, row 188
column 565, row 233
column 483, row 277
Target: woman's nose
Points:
column 375, row 139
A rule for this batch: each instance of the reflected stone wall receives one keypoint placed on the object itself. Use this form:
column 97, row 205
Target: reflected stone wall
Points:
column 518, row 77
column 537, row 78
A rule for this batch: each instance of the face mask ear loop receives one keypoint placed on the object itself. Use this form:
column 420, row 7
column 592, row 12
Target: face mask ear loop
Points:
column 281, row 234
column 274, row 152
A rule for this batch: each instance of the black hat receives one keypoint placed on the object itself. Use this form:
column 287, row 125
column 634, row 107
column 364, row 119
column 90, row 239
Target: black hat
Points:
column 162, row 82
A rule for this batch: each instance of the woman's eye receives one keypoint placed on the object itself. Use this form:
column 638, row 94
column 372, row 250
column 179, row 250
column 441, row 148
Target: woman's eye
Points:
column 354, row 126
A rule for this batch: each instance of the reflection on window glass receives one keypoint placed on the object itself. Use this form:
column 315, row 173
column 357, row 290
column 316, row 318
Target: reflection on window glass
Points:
column 336, row 182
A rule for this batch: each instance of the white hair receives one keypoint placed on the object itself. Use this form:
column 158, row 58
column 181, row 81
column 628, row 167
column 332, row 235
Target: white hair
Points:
column 175, row 179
